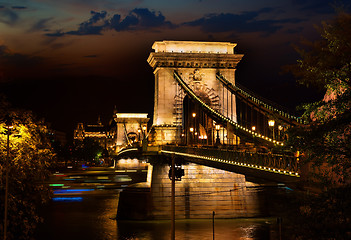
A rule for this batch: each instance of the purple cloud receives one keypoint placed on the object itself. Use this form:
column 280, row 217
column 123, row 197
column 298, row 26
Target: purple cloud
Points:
column 90, row 27
column 138, row 18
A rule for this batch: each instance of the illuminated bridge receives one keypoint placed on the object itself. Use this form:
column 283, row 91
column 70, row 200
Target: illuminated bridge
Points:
column 202, row 115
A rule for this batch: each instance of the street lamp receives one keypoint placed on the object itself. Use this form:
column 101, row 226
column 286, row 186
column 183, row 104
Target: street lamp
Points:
column 139, row 131
column 253, row 128
column 218, row 142
column 271, row 124
column 194, row 115
column 8, row 126
column 192, row 134
column 144, row 131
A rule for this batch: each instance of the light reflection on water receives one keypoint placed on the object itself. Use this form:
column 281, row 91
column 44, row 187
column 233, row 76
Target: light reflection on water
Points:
column 243, row 229
column 93, row 219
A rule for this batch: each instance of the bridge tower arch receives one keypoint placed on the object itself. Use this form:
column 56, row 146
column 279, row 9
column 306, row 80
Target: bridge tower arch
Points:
column 197, row 63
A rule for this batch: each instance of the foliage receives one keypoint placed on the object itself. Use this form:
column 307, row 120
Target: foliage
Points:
column 29, row 158
column 87, row 150
column 325, row 216
column 326, row 63
column 326, row 141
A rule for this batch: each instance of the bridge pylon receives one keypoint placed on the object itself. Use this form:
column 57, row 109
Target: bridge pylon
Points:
column 197, row 63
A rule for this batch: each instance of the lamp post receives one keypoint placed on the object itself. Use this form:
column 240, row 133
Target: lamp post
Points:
column 218, row 141
column 195, row 132
column 271, row 124
column 8, row 126
column 144, row 132
column 139, row 131
column 253, row 128
column 192, row 132
column 203, row 139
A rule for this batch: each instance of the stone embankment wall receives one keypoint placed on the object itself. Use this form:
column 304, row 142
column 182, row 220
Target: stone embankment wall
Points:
column 200, row 192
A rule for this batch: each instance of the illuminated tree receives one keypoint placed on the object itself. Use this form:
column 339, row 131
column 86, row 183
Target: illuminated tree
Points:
column 29, row 158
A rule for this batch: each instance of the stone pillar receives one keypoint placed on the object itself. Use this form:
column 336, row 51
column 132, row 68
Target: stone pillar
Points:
column 129, row 123
column 197, row 63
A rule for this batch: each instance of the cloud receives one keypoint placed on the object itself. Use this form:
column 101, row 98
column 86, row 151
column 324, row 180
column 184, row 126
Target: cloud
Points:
column 58, row 33
column 140, row 18
column 19, row 7
column 244, row 22
column 40, row 24
column 91, row 27
column 137, row 19
column 8, row 16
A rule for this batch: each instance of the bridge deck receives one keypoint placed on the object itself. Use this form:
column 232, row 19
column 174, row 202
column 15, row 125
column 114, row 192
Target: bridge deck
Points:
column 274, row 167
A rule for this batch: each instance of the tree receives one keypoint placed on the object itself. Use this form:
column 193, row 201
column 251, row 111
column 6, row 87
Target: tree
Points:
column 326, row 141
column 88, row 150
column 29, row 158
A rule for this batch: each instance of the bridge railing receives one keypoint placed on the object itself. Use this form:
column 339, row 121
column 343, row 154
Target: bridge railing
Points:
column 265, row 161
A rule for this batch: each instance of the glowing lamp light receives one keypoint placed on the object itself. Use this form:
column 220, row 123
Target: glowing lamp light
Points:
column 218, row 127
column 8, row 123
column 144, row 128
column 280, row 127
column 271, row 123
column 194, row 114
column 253, row 128
column 191, row 129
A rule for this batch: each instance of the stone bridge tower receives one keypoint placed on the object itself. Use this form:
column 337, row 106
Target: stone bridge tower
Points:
column 197, row 63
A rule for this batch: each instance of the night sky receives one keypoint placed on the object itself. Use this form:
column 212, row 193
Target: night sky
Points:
column 72, row 60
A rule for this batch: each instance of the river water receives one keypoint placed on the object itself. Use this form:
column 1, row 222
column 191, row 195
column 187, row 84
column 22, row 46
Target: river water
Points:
column 93, row 219
column 84, row 208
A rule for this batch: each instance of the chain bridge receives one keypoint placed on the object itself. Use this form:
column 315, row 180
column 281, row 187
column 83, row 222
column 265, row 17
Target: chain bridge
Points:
column 203, row 115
